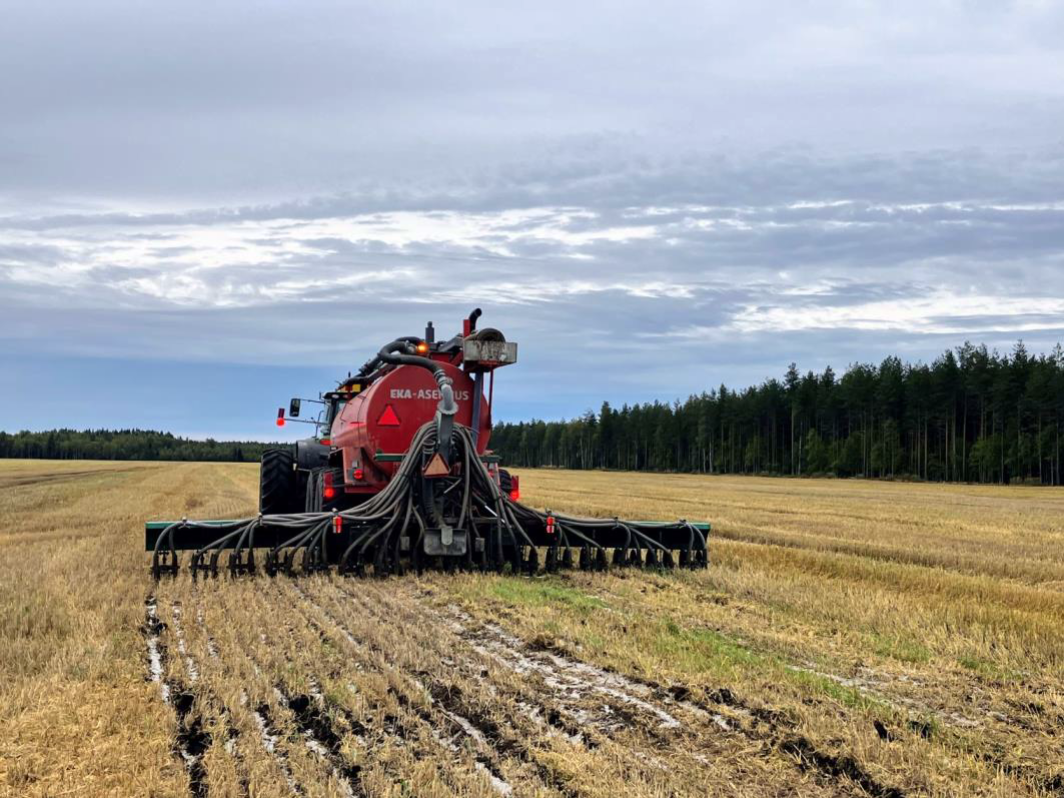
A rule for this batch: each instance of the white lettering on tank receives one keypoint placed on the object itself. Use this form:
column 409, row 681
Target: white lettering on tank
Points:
column 425, row 394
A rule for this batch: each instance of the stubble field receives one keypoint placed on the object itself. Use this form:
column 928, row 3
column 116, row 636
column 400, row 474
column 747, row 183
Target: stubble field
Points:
column 849, row 639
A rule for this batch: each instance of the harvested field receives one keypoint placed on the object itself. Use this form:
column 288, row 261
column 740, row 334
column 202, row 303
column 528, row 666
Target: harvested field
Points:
column 849, row 639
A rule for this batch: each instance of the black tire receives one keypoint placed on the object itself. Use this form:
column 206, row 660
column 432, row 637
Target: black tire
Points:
column 278, row 483
column 506, row 482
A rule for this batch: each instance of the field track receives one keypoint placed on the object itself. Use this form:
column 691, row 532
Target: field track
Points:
column 849, row 639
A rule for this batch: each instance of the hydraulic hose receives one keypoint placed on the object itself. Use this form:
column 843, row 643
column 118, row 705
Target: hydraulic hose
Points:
column 397, row 353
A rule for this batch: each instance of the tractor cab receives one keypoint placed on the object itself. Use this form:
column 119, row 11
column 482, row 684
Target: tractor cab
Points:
column 336, row 400
column 332, row 404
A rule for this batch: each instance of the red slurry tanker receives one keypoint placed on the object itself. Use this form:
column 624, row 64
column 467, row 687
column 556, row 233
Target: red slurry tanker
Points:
column 400, row 476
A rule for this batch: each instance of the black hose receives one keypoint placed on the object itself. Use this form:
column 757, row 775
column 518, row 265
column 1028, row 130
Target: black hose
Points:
column 397, row 353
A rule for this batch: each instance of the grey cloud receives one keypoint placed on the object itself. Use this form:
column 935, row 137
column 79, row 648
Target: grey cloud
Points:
column 768, row 181
column 41, row 254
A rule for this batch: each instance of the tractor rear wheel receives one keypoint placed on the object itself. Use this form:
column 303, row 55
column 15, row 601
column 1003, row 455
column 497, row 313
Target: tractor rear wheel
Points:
column 278, row 483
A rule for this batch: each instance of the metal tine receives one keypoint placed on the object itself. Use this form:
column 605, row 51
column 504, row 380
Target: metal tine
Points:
column 166, row 560
column 241, row 563
column 701, row 555
column 532, row 562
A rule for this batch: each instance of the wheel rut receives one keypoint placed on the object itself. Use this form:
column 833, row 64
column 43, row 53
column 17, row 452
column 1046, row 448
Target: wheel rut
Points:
column 516, row 710
column 268, row 735
column 486, row 700
column 429, row 705
column 674, row 708
column 191, row 741
column 762, row 724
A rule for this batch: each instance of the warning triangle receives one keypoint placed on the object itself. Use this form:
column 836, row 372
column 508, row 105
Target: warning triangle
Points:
column 436, row 467
column 388, row 418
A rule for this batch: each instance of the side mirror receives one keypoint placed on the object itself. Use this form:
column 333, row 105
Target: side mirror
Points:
column 293, row 408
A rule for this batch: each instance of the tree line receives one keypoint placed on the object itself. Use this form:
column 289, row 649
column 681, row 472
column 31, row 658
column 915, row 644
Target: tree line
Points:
column 971, row 415
column 126, row 444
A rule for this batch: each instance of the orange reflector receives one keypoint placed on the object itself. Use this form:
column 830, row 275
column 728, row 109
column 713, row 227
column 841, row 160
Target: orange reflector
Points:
column 388, row 418
column 436, row 467
column 422, row 348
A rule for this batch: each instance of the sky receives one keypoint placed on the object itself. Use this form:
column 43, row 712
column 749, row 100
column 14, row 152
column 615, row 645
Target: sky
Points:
column 207, row 208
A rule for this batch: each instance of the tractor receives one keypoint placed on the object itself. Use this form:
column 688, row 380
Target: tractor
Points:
column 399, row 477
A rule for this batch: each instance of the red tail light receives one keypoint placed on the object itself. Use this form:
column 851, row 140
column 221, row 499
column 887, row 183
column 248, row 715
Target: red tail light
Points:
column 515, row 489
column 550, row 524
column 280, row 416
column 358, row 474
column 338, row 524
column 328, row 491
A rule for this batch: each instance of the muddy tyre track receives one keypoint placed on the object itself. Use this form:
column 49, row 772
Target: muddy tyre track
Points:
column 268, row 734
column 531, row 719
column 670, row 716
column 428, row 708
column 640, row 726
column 773, row 728
column 191, row 741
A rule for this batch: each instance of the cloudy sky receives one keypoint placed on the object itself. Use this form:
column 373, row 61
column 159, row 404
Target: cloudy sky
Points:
column 208, row 207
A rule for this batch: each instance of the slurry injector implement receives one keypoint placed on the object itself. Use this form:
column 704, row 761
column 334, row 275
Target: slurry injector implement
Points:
column 399, row 477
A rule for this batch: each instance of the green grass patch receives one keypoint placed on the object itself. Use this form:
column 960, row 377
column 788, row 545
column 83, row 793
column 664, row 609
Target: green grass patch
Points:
column 844, row 694
column 985, row 667
column 900, row 648
column 703, row 650
column 538, row 593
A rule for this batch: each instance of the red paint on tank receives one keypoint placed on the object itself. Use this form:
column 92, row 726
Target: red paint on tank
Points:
column 365, row 427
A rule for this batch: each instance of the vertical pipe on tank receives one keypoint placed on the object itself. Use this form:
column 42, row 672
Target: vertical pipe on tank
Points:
column 478, row 390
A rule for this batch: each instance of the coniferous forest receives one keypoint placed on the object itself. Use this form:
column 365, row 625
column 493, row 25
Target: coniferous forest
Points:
column 129, row 444
column 971, row 415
